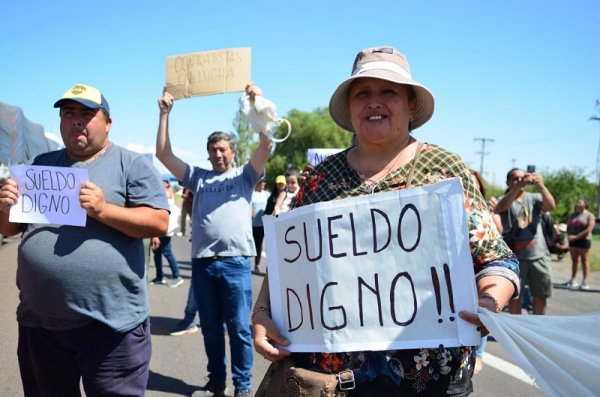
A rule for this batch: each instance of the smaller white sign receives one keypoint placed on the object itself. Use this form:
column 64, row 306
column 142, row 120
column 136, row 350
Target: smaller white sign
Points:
column 48, row 195
column 316, row 155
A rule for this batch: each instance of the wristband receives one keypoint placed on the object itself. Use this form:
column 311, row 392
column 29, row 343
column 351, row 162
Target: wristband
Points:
column 259, row 309
column 485, row 295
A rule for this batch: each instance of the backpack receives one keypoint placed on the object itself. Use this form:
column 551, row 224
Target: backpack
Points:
column 548, row 228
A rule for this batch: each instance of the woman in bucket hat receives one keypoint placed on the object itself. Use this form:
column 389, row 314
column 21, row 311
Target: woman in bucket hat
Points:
column 382, row 104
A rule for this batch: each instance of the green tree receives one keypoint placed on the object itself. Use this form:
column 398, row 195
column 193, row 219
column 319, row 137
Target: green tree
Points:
column 246, row 138
column 313, row 129
column 567, row 186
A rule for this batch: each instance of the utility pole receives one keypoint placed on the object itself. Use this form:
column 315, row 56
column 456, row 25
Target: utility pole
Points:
column 483, row 152
column 596, row 118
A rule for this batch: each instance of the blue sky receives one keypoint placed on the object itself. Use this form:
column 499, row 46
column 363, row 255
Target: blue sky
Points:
column 523, row 73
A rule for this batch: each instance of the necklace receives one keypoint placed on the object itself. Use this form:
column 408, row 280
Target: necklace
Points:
column 95, row 156
column 373, row 182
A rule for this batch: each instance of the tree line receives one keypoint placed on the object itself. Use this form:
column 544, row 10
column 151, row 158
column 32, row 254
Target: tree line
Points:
column 316, row 129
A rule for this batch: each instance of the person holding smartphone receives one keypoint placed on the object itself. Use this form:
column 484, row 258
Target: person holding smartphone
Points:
column 521, row 212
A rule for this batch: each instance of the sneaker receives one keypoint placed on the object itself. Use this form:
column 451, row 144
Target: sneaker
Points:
column 179, row 234
column 176, row 282
column 184, row 327
column 584, row 285
column 211, row 389
column 243, row 393
column 571, row 284
column 158, row 280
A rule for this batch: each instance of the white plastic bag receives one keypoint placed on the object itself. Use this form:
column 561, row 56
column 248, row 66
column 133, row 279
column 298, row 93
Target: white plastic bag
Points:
column 560, row 353
column 260, row 113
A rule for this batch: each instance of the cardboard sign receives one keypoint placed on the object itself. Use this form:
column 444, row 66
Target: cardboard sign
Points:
column 315, row 156
column 48, row 195
column 377, row 272
column 208, row 72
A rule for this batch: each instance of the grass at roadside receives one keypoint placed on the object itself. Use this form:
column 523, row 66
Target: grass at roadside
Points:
column 595, row 253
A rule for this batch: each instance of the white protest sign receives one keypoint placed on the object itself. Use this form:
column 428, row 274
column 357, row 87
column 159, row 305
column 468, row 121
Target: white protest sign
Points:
column 208, row 72
column 377, row 272
column 48, row 195
column 315, row 156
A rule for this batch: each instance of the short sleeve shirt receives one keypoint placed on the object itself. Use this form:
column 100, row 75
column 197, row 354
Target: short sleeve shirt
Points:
column 69, row 276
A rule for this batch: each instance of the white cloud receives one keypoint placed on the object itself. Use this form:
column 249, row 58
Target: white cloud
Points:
column 195, row 158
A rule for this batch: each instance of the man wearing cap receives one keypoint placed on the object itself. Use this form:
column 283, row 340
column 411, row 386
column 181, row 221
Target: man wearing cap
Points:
column 222, row 245
column 83, row 311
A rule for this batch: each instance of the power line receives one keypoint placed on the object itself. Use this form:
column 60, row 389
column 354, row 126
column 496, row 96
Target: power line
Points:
column 596, row 118
column 483, row 152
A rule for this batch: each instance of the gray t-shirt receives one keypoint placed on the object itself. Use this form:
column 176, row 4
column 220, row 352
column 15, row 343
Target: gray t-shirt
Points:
column 221, row 211
column 529, row 242
column 69, row 276
column 259, row 202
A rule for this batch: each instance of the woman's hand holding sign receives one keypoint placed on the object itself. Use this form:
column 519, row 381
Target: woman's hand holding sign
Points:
column 265, row 330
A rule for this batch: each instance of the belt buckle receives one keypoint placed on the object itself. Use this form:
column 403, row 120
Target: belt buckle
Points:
column 346, row 380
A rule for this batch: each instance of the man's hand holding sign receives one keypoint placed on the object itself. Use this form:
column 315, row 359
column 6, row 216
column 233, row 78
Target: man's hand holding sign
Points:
column 222, row 227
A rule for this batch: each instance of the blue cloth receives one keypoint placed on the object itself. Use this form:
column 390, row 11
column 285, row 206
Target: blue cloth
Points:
column 481, row 348
column 190, row 307
column 222, row 226
column 164, row 249
column 223, row 288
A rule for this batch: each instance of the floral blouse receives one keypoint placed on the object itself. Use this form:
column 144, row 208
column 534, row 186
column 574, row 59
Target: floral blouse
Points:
column 419, row 372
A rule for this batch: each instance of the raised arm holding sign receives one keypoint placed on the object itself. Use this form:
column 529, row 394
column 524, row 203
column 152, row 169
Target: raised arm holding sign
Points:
column 221, row 244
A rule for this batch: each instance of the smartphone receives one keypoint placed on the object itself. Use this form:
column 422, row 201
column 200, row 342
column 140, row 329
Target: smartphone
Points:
column 530, row 169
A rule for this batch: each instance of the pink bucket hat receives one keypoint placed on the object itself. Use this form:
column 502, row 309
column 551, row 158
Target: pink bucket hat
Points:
column 384, row 63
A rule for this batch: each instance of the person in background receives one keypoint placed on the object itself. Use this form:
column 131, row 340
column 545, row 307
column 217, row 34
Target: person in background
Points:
column 292, row 186
column 383, row 105
column 222, row 245
column 186, row 210
column 259, row 203
column 561, row 241
column 579, row 233
column 276, row 190
column 83, row 313
column 188, row 324
column 161, row 246
column 521, row 218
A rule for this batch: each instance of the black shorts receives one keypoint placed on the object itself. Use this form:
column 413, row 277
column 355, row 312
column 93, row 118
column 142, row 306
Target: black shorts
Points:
column 581, row 243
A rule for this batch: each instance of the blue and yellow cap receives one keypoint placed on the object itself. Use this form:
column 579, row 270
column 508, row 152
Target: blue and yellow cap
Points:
column 86, row 95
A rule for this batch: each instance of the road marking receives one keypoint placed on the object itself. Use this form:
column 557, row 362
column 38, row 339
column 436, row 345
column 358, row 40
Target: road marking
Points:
column 507, row 368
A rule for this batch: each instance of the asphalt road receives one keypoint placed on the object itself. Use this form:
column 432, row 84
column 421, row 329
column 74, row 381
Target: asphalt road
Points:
column 178, row 364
